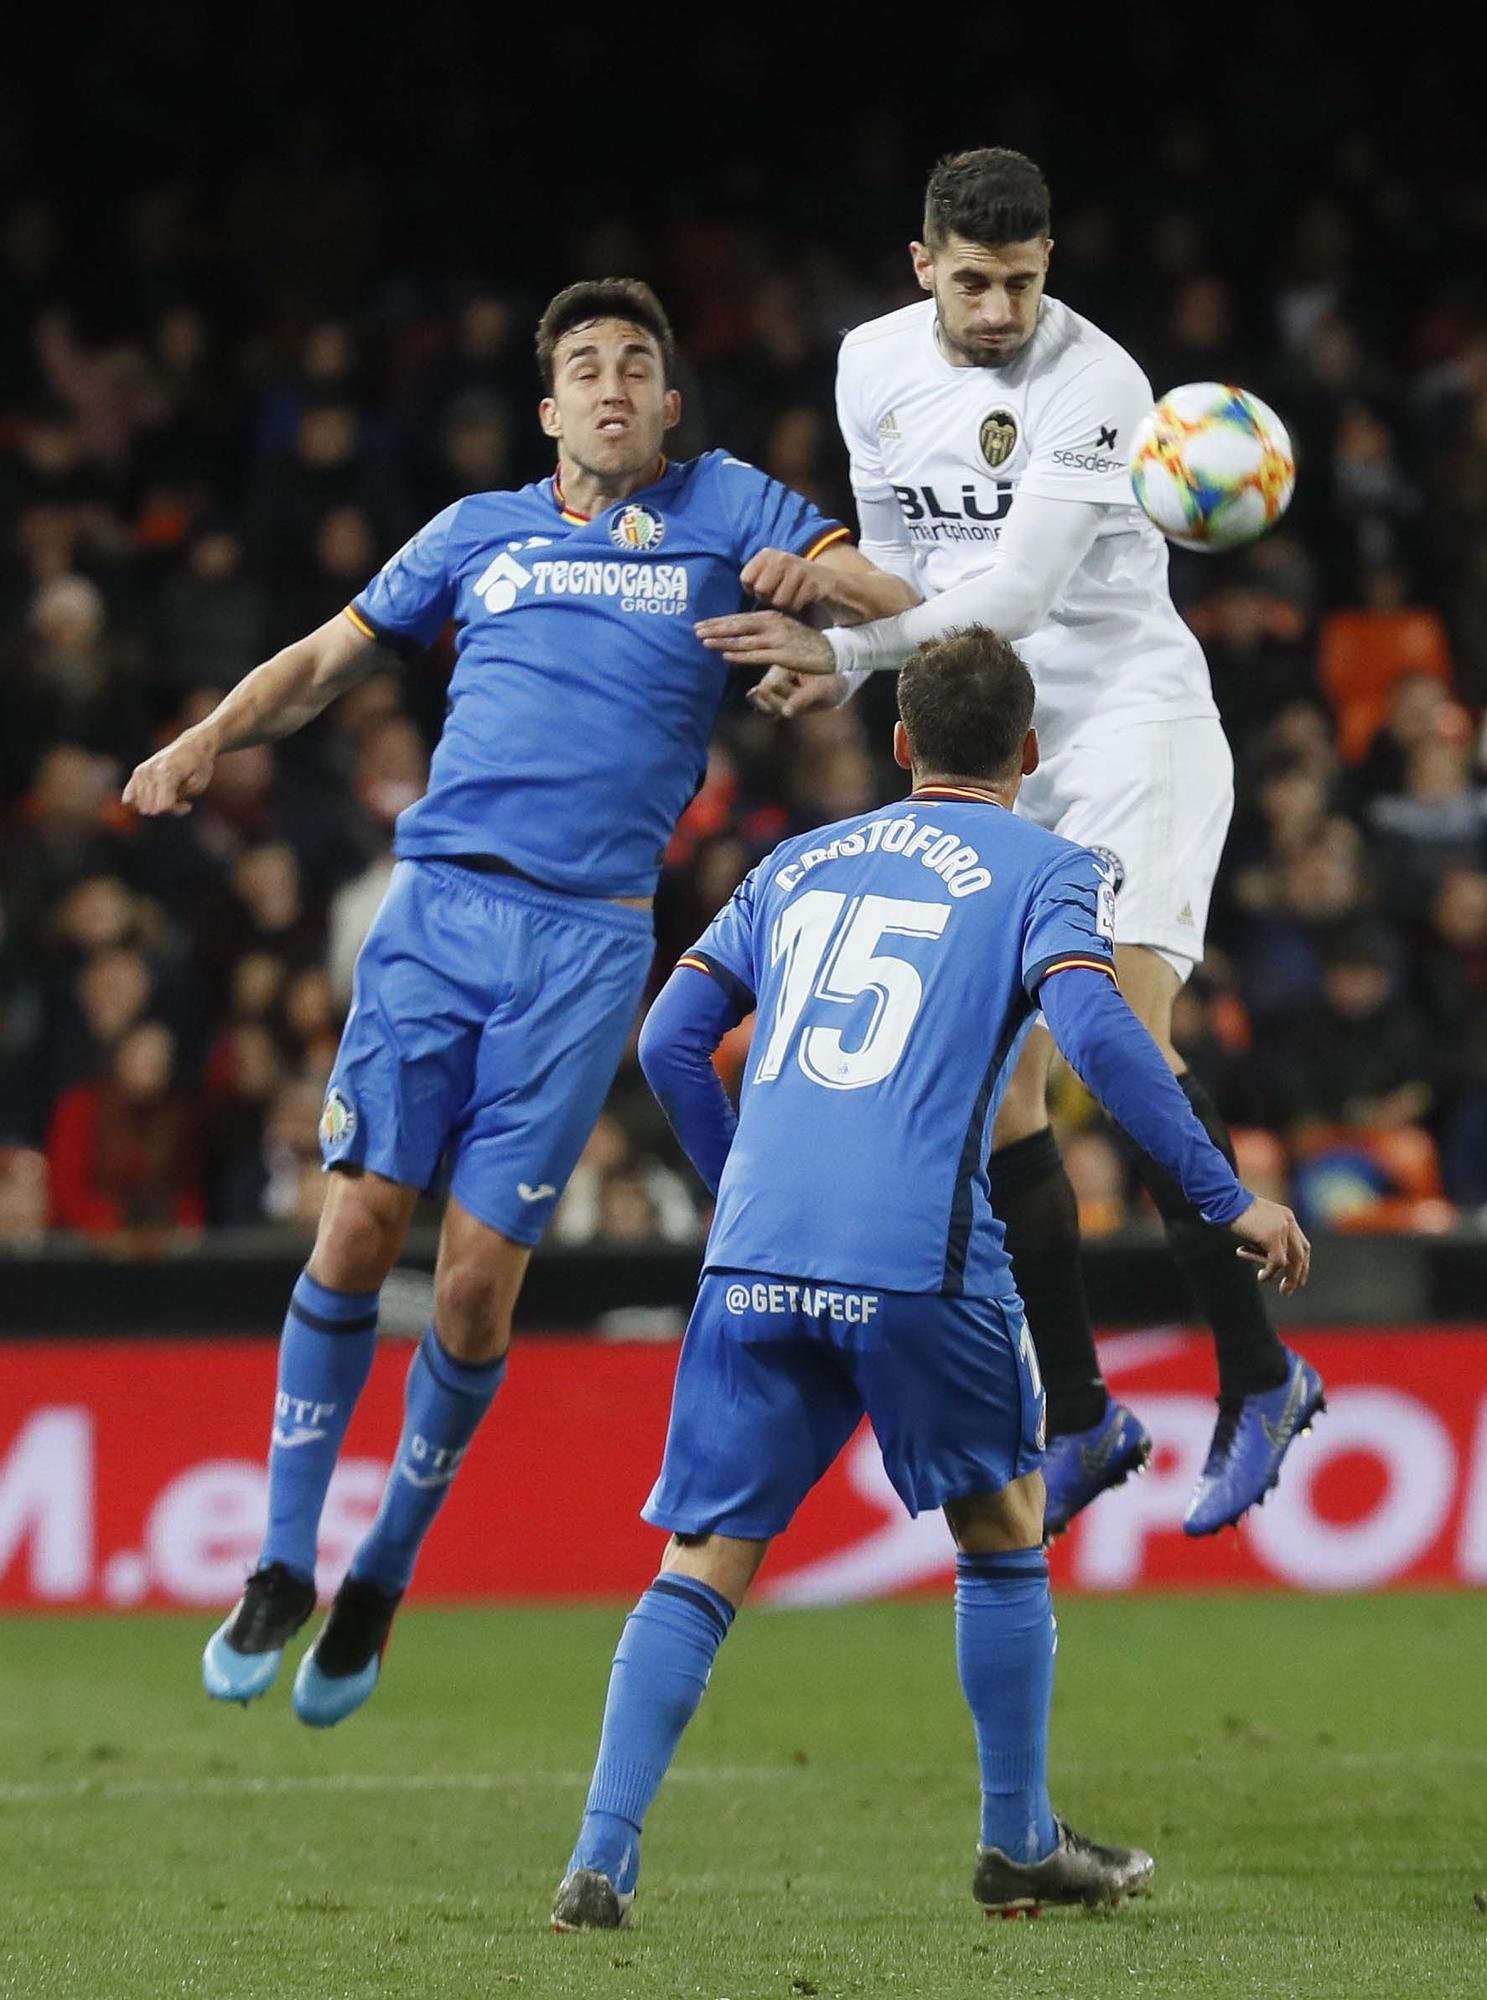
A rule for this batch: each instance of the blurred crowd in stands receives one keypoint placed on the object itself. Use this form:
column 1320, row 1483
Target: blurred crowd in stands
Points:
column 205, row 455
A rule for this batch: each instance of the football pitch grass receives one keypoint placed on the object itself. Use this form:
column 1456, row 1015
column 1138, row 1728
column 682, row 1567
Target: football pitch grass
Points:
column 1311, row 1775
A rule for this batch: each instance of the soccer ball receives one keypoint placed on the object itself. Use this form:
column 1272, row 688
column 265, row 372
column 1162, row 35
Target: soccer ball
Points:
column 1212, row 466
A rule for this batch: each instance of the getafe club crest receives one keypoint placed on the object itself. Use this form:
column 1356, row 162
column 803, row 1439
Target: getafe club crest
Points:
column 998, row 437
column 1114, row 863
column 337, row 1120
column 637, row 529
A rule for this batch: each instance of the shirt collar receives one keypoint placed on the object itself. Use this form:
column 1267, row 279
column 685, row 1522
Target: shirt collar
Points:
column 974, row 793
column 582, row 520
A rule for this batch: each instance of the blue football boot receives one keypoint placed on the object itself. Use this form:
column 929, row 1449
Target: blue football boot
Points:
column 340, row 1670
column 1082, row 1464
column 242, row 1656
column 1254, row 1434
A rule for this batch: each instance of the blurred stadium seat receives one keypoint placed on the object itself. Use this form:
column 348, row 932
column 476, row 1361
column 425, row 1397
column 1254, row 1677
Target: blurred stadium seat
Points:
column 1362, row 654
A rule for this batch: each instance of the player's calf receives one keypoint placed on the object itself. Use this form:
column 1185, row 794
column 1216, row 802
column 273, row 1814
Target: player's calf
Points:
column 661, row 1670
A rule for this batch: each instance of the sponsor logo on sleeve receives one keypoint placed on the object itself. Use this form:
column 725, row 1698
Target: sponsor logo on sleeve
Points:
column 1092, row 457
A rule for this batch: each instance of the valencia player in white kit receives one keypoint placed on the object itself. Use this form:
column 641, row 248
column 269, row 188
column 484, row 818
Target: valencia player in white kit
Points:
column 989, row 429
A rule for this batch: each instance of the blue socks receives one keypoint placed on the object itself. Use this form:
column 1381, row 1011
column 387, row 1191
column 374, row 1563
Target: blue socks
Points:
column 325, row 1356
column 1004, row 1645
column 661, row 1667
column 1004, row 1636
column 444, row 1403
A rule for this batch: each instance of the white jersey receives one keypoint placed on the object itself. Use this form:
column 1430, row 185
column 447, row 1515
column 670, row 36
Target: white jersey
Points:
column 955, row 446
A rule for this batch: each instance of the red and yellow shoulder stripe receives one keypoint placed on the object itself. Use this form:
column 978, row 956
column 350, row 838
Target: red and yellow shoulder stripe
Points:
column 700, row 964
column 828, row 540
column 359, row 622
column 1088, row 964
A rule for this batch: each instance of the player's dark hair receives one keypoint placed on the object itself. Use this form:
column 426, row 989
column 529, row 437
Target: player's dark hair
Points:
column 991, row 196
column 967, row 704
column 604, row 298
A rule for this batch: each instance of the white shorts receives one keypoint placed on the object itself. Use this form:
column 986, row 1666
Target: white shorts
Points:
column 1155, row 799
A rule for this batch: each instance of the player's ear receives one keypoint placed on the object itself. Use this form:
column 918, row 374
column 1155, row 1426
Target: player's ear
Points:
column 901, row 753
column 1047, row 253
column 547, row 416
column 1030, row 758
column 924, row 265
column 671, row 409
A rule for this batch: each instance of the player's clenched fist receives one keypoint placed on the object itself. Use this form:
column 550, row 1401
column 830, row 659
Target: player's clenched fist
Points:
column 787, row 695
column 169, row 781
column 788, row 583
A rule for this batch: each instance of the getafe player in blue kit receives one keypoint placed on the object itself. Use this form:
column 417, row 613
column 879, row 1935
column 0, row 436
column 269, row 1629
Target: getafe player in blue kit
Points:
column 896, row 962
column 497, row 987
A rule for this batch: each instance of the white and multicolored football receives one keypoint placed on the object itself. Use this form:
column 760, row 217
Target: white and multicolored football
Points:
column 1212, row 466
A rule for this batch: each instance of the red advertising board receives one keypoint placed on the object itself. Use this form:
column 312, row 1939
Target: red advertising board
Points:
column 131, row 1473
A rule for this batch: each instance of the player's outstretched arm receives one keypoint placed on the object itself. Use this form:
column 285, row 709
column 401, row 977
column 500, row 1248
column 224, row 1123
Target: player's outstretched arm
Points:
column 841, row 586
column 1043, row 544
column 273, row 701
column 1108, row 1047
column 678, row 1039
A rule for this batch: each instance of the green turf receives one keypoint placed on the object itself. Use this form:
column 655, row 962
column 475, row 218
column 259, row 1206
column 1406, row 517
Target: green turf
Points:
column 1310, row 1775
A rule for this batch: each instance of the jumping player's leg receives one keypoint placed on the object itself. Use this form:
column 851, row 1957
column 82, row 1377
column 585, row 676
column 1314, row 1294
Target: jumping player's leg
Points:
column 565, row 978
column 1032, row 1198
column 1094, row 1442
column 1267, row 1394
column 1155, row 799
column 1250, row 1356
column 421, row 1000
column 452, row 1381
column 326, row 1349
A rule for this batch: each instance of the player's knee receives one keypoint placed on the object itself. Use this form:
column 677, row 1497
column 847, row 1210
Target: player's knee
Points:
column 358, row 1240
column 725, row 1563
column 470, row 1312
column 994, row 1523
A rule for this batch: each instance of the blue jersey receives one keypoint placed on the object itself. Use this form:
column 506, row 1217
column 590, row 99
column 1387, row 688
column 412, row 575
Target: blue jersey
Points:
column 582, row 700
column 894, row 960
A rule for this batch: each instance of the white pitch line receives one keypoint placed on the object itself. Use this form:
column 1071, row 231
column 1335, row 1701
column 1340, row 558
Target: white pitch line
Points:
column 60, row 1791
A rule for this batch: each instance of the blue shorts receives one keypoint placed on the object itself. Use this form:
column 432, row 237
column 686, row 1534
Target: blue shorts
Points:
column 776, row 1374
column 488, row 1018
